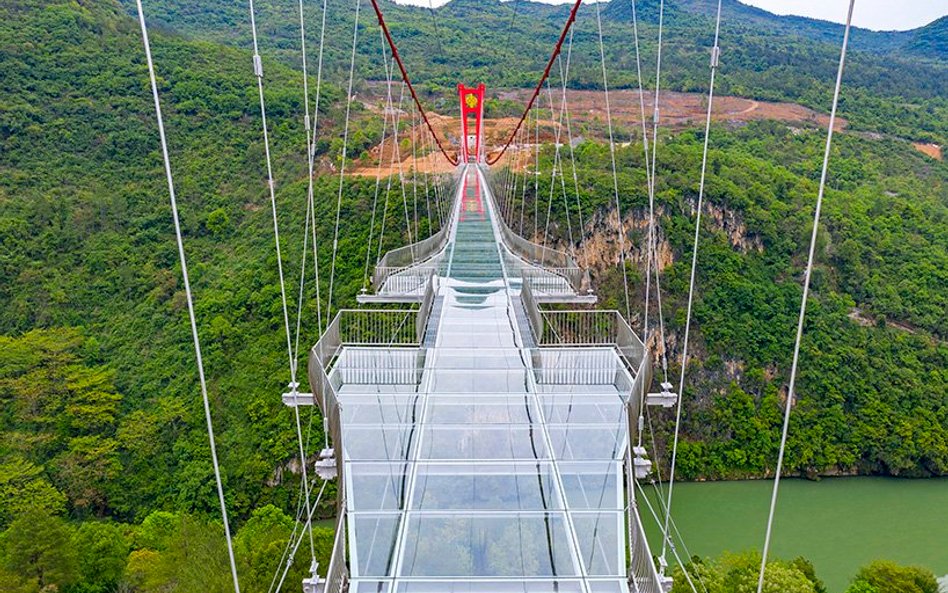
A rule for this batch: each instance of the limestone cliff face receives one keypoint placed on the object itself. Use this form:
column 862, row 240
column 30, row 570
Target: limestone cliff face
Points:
column 599, row 247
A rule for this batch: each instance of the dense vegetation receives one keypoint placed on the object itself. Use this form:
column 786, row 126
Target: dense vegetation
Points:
column 872, row 394
column 738, row 573
column 105, row 474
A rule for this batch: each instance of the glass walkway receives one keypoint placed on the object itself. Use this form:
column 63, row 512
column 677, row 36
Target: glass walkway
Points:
column 482, row 445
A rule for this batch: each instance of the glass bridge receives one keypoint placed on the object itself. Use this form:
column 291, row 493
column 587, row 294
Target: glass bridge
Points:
column 481, row 444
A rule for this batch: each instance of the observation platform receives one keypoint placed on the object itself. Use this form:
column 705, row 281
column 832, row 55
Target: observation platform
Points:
column 481, row 444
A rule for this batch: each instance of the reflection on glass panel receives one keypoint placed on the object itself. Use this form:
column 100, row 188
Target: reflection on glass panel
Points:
column 368, row 586
column 503, row 546
column 583, row 409
column 485, row 487
column 591, row 485
column 517, row 586
column 515, row 441
column 610, row 586
column 483, row 358
column 381, row 409
column 571, row 443
column 379, row 443
column 374, row 543
column 486, row 381
column 598, row 537
column 483, row 410
column 377, row 486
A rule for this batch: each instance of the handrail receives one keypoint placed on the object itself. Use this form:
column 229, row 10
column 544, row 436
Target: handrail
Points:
column 337, row 576
column 533, row 311
column 421, row 320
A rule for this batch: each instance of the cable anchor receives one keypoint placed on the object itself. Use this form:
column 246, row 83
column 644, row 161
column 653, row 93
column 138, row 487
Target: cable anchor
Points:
column 666, row 398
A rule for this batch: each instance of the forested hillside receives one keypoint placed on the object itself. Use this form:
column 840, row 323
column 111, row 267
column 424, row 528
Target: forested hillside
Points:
column 105, row 474
column 896, row 82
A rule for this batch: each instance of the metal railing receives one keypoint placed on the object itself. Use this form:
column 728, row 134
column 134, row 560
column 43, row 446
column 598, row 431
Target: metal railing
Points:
column 643, row 577
column 553, row 260
column 532, row 310
column 421, row 320
column 353, row 327
column 337, row 576
column 405, row 280
column 594, row 327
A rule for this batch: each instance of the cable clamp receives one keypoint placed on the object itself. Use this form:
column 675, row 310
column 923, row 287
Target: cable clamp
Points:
column 257, row 66
column 715, row 56
column 306, row 122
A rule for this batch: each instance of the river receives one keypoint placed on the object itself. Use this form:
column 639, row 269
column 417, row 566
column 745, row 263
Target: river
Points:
column 839, row 524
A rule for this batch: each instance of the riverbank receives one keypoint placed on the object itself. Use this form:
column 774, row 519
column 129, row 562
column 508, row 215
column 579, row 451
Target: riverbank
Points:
column 839, row 524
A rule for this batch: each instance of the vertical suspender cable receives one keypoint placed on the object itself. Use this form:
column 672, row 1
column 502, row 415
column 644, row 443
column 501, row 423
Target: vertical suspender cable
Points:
column 648, row 186
column 806, row 292
column 312, row 205
column 342, row 166
column 378, row 171
column 187, row 290
column 715, row 52
column 258, row 72
column 615, row 176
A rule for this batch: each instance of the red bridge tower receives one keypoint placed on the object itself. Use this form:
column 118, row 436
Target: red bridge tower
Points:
column 472, row 103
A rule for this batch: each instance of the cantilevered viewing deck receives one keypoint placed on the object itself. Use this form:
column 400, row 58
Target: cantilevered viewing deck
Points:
column 482, row 444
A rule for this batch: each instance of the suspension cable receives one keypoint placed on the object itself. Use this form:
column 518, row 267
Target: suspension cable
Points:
column 378, row 171
column 342, row 166
column 395, row 154
column 310, row 192
column 806, row 291
column 648, row 186
column 615, row 176
column 258, row 72
column 539, row 87
column 187, row 290
column 715, row 52
column 378, row 12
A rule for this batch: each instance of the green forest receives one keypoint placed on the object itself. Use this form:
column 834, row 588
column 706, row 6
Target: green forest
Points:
column 106, row 481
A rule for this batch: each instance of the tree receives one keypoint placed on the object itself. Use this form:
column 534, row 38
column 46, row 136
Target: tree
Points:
column 102, row 550
column 883, row 576
column 23, row 487
column 738, row 573
column 39, row 546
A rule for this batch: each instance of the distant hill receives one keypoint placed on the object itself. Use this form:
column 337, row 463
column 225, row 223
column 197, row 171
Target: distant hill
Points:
column 506, row 44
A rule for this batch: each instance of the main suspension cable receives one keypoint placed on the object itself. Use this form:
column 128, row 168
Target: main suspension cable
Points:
column 401, row 67
column 187, row 291
column 806, row 292
column 539, row 87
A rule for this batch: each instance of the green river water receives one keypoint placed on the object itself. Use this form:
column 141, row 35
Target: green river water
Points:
column 839, row 524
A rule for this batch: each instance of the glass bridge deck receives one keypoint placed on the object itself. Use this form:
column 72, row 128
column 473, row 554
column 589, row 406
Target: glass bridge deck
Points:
column 483, row 463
